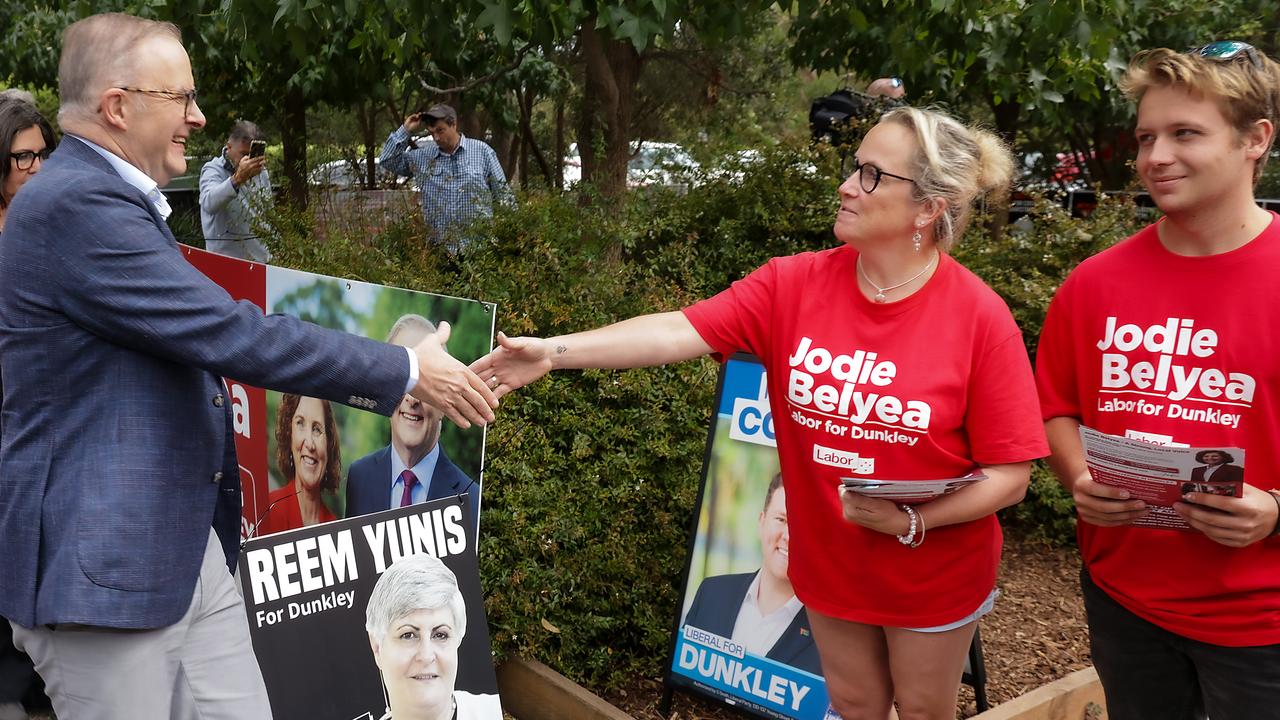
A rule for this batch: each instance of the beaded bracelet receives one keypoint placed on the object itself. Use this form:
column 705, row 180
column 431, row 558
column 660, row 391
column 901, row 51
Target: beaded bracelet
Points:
column 910, row 538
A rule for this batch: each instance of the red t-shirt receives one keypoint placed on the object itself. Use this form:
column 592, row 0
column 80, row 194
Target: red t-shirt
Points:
column 1220, row 389
column 925, row 388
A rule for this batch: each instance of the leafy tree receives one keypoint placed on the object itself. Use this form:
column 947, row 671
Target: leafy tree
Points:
column 1007, row 56
column 386, row 56
column 282, row 56
column 1046, row 68
column 30, row 40
column 613, row 41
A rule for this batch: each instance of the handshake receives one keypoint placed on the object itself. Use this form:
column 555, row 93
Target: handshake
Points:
column 468, row 395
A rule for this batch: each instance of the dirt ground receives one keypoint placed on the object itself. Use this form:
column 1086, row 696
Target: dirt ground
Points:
column 1035, row 635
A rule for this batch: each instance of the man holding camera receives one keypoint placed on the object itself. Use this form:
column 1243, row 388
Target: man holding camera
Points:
column 234, row 189
column 459, row 178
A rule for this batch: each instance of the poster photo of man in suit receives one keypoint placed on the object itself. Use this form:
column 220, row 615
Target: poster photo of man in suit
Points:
column 760, row 610
column 442, row 460
column 414, row 466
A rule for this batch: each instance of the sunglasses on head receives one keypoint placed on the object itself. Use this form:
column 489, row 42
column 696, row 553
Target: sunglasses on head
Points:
column 1229, row 50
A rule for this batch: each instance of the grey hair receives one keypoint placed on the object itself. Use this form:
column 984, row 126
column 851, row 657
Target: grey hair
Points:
column 100, row 52
column 417, row 582
column 410, row 323
column 955, row 163
column 244, row 130
column 18, row 94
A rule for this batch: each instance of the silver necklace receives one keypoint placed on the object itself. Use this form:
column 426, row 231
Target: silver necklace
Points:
column 880, row 291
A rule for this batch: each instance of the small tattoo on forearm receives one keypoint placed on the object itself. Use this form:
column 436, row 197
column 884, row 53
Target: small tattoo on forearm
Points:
column 560, row 349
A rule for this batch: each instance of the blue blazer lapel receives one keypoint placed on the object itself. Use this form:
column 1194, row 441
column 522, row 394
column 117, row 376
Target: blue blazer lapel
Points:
column 446, row 479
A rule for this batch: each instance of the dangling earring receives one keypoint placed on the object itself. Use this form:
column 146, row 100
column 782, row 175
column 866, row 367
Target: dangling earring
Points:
column 915, row 241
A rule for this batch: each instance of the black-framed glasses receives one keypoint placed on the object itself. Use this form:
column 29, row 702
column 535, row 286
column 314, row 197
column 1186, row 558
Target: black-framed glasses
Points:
column 869, row 175
column 187, row 98
column 24, row 159
column 1229, row 50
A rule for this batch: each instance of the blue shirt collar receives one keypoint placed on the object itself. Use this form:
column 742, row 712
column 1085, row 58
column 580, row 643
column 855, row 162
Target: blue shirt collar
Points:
column 132, row 175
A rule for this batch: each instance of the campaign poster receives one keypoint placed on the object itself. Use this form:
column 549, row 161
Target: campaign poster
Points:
column 319, row 460
column 372, row 617
column 739, row 556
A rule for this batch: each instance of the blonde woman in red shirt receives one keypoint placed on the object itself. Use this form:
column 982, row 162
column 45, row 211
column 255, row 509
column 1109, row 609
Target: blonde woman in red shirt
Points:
column 886, row 357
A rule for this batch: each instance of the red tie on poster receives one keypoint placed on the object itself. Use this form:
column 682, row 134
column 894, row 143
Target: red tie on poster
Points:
column 409, row 479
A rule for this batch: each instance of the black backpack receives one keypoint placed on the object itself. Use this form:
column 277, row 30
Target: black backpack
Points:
column 834, row 118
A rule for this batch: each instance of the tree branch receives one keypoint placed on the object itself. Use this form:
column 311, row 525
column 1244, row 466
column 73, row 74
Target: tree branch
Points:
column 480, row 80
column 683, row 59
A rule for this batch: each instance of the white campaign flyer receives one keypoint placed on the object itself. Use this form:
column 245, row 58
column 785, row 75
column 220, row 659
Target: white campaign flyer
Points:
column 910, row 490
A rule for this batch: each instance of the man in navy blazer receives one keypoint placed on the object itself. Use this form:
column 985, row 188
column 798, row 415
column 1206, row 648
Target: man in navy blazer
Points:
column 759, row 610
column 414, row 457
column 119, row 488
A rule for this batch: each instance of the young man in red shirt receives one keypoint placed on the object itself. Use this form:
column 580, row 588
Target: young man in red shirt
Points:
column 1182, row 623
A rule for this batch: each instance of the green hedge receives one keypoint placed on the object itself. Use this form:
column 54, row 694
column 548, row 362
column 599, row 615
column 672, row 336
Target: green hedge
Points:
column 591, row 476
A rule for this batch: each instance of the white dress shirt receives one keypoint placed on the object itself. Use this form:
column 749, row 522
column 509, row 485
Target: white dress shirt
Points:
column 758, row 632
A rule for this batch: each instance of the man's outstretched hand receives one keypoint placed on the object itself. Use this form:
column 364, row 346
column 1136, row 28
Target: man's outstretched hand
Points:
column 447, row 385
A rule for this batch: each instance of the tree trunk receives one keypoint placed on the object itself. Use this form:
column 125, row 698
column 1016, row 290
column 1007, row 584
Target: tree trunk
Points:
column 608, row 103
column 469, row 121
column 522, row 138
column 530, row 145
column 1110, row 157
column 1006, row 116
column 294, row 138
column 503, row 143
column 368, row 131
column 559, row 141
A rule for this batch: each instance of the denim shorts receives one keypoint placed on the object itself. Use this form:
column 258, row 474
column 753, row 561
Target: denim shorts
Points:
column 987, row 606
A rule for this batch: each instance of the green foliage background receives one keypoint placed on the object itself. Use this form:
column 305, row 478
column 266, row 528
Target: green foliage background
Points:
column 591, row 476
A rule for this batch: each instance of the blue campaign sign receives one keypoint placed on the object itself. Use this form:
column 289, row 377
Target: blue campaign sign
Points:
column 745, row 400
column 741, row 380
column 779, row 678
column 768, row 687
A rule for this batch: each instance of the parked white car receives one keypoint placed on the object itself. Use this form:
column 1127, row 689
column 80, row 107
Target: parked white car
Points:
column 735, row 166
column 652, row 164
column 347, row 175
column 661, row 163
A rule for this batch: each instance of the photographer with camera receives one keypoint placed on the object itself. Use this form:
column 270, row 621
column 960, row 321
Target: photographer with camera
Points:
column 234, row 189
